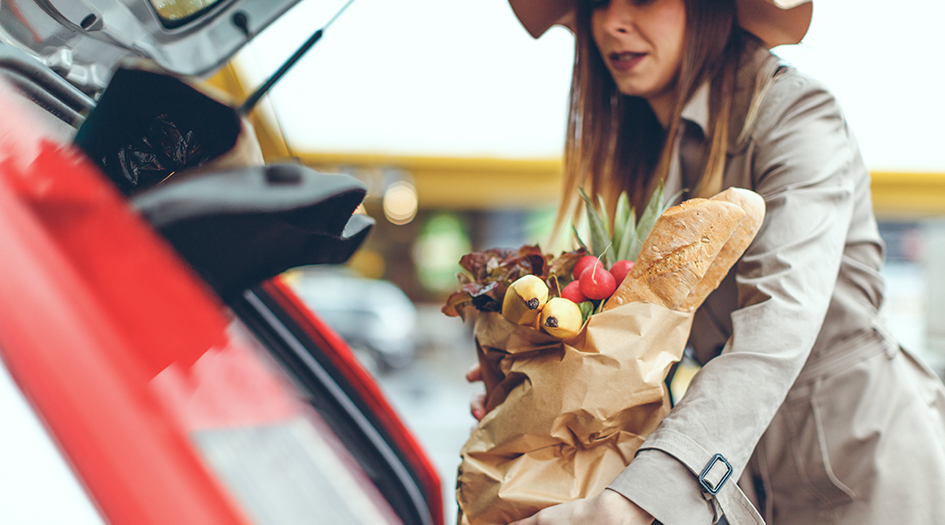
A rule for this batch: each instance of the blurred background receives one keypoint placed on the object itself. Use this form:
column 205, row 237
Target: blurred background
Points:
column 455, row 118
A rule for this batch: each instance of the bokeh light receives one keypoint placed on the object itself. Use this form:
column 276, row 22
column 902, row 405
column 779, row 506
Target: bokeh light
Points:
column 400, row 202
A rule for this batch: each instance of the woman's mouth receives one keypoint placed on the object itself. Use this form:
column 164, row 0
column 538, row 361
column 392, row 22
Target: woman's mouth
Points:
column 625, row 60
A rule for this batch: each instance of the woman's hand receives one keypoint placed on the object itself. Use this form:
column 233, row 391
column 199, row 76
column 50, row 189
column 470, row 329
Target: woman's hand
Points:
column 607, row 508
column 477, row 404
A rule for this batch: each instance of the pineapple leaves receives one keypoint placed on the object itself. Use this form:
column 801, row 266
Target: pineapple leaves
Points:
column 579, row 241
column 600, row 238
column 655, row 207
column 626, row 239
column 625, row 216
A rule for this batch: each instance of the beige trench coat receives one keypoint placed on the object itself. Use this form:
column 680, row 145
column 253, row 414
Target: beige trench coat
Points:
column 803, row 392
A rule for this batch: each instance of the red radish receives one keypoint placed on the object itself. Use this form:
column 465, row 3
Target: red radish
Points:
column 597, row 283
column 573, row 292
column 620, row 269
column 584, row 263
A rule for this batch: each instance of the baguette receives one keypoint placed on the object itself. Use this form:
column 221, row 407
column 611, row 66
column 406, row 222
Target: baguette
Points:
column 677, row 253
column 754, row 207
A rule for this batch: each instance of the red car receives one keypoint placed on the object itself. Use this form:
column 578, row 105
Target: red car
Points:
column 178, row 380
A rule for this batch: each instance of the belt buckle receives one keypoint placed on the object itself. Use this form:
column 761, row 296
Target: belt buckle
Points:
column 705, row 483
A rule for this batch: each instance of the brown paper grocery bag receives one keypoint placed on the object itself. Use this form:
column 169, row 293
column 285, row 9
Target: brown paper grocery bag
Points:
column 564, row 417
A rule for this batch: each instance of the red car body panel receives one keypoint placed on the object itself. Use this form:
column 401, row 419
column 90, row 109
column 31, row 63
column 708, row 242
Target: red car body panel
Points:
column 94, row 305
column 88, row 299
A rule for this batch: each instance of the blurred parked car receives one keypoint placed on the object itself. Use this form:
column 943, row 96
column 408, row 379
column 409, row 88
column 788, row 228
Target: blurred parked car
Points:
column 372, row 315
column 146, row 351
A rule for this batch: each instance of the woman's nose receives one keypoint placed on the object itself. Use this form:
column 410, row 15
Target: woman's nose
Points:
column 617, row 17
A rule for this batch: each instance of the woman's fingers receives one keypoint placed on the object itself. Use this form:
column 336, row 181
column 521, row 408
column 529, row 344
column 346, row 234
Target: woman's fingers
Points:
column 477, row 406
column 474, row 374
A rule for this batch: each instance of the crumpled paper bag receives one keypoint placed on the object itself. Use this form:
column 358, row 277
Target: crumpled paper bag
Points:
column 564, row 417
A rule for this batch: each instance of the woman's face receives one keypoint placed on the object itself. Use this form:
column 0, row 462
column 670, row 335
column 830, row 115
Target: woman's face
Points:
column 641, row 42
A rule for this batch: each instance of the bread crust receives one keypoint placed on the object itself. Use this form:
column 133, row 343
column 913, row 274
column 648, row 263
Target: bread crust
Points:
column 678, row 252
column 754, row 207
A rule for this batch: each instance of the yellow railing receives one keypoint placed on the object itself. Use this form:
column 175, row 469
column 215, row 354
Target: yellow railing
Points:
column 484, row 183
column 462, row 183
column 908, row 195
column 491, row 183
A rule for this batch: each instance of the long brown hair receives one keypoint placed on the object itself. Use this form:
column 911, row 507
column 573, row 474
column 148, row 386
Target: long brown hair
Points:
column 615, row 142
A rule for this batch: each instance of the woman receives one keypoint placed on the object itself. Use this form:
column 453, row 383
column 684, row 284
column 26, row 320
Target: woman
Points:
column 803, row 398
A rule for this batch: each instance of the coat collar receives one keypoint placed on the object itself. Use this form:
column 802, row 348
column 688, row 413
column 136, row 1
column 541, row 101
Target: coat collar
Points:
column 756, row 61
column 696, row 110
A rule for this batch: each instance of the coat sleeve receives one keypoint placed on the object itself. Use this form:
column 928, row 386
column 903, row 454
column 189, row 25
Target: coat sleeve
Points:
column 802, row 165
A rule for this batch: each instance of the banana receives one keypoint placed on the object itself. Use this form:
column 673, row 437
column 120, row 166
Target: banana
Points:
column 524, row 299
column 561, row 318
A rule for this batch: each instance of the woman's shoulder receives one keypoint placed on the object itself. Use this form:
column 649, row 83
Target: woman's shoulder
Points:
column 791, row 84
column 790, row 95
column 771, row 92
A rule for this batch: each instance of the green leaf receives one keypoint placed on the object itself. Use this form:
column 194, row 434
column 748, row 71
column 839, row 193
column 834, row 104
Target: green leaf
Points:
column 667, row 203
column 587, row 309
column 658, row 204
column 622, row 216
column 602, row 212
column 625, row 232
column 577, row 237
column 624, row 209
column 653, row 210
column 634, row 249
column 627, row 237
column 600, row 239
